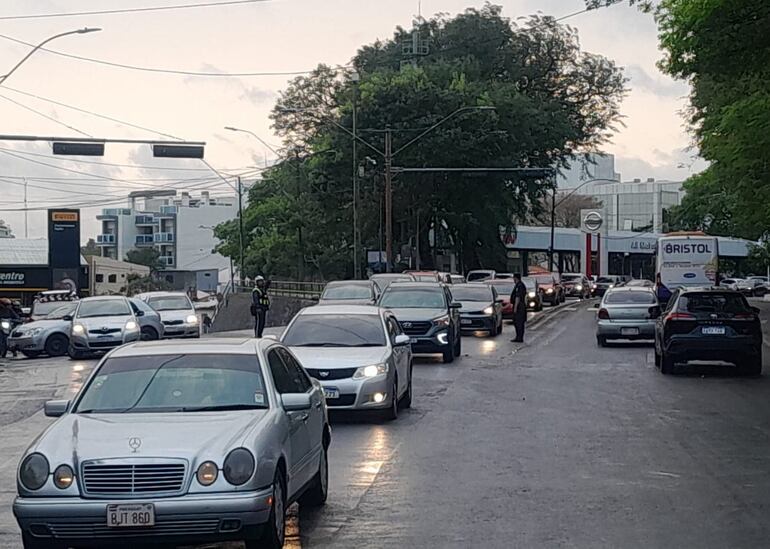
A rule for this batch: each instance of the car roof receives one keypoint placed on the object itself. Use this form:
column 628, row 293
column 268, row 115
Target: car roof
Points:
column 417, row 284
column 161, row 294
column 213, row 345
column 102, row 298
column 341, row 310
column 619, row 289
column 707, row 289
column 349, row 283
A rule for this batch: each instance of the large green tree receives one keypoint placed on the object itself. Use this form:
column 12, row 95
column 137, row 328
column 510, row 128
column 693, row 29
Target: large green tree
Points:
column 550, row 100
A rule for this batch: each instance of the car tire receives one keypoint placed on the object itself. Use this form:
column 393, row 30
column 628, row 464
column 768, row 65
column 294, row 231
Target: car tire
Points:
column 56, row 345
column 406, row 400
column 148, row 333
column 391, row 413
column 601, row 341
column 31, row 354
column 657, row 357
column 29, row 542
column 274, row 530
column 74, row 354
column 316, row 494
column 458, row 346
column 666, row 364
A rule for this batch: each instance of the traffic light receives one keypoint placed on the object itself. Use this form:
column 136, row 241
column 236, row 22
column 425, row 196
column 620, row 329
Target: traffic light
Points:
column 78, row 149
column 177, row 151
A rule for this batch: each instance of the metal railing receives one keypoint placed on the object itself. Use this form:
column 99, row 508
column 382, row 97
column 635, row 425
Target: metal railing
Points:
column 290, row 288
column 105, row 239
column 144, row 239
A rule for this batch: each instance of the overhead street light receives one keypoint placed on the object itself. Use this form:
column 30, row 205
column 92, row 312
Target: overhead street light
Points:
column 86, row 30
column 255, row 136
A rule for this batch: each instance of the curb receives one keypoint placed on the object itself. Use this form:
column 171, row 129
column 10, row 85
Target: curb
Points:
column 543, row 317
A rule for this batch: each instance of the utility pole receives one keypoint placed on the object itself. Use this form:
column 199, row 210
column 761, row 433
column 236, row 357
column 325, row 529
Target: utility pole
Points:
column 553, row 228
column 300, row 245
column 26, row 213
column 356, row 234
column 388, row 200
column 240, row 230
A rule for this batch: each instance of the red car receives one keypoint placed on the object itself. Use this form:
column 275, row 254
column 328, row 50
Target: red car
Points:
column 504, row 289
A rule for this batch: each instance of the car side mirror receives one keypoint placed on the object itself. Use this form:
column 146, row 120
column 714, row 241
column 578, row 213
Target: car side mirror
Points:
column 654, row 311
column 455, row 305
column 294, row 402
column 56, row 408
column 67, row 317
column 402, row 339
column 596, row 305
column 139, row 313
column 315, row 298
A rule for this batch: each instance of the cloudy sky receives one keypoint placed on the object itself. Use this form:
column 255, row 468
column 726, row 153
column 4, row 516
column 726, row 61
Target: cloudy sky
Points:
column 274, row 36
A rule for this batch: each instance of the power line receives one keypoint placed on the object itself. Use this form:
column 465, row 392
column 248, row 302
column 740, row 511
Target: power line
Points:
column 105, row 117
column 160, row 70
column 51, row 118
column 129, row 10
column 562, row 18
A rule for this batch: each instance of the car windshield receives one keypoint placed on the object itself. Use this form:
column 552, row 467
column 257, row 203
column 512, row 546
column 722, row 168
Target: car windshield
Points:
column 103, row 307
column 175, row 383
column 571, row 277
column 425, row 277
column 639, row 282
column 43, row 308
column 413, row 298
column 61, row 311
column 170, row 303
column 472, row 293
column 544, row 279
column 529, row 283
column 605, row 280
column 630, row 298
column 327, row 330
column 349, row 291
column 507, row 288
column 713, row 303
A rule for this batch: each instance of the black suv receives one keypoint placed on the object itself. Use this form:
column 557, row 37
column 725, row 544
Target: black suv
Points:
column 428, row 315
column 708, row 324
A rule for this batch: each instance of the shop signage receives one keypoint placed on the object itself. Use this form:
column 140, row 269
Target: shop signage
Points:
column 12, row 278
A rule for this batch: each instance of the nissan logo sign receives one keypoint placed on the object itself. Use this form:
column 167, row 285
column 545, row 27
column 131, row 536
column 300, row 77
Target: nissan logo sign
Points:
column 593, row 221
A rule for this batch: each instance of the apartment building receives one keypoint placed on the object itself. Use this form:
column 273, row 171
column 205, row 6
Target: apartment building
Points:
column 179, row 225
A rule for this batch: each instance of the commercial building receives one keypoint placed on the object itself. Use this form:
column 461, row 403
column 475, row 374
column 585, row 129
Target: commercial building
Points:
column 25, row 271
column 179, row 226
column 109, row 276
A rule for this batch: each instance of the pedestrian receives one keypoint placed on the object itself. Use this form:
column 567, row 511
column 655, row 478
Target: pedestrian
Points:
column 260, row 304
column 206, row 323
column 7, row 313
column 519, row 301
column 663, row 293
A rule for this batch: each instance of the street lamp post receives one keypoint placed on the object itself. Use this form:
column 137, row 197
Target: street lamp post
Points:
column 86, row 30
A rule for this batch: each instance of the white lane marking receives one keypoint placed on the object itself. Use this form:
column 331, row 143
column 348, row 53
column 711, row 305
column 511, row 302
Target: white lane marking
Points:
column 665, row 474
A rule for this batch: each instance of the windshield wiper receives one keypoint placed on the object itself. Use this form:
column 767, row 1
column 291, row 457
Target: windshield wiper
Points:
column 322, row 345
column 224, row 407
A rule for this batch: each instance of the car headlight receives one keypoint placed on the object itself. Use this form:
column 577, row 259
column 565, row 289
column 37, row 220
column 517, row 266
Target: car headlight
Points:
column 191, row 319
column 207, row 473
column 441, row 321
column 531, row 294
column 5, row 325
column 488, row 311
column 131, row 326
column 579, row 287
column 239, row 466
column 549, row 291
column 373, row 370
column 34, row 471
column 78, row 329
column 63, row 477
column 611, row 285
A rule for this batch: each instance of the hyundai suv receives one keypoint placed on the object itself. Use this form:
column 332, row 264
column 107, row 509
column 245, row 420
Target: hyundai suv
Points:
column 428, row 315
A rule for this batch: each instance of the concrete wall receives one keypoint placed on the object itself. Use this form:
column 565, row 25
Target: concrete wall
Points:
column 237, row 314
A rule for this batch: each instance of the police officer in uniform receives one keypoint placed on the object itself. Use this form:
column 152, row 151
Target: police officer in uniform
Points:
column 260, row 304
column 519, row 301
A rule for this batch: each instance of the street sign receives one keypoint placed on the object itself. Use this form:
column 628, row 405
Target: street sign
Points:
column 177, row 151
column 78, row 149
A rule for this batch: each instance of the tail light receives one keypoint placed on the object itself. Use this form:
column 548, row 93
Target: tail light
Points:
column 604, row 314
column 680, row 316
column 744, row 316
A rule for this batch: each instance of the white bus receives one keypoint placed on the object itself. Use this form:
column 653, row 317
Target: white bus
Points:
column 688, row 260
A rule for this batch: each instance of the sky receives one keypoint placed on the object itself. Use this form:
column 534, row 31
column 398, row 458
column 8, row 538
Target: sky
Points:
column 273, row 36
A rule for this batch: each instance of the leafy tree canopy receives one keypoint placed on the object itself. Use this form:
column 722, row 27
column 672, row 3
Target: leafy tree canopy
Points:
column 150, row 257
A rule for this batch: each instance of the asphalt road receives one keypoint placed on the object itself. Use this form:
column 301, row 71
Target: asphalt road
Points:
column 553, row 443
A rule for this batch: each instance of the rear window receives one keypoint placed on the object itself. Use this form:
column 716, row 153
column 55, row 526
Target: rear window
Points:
column 713, row 303
column 570, row 278
column 605, row 280
column 630, row 298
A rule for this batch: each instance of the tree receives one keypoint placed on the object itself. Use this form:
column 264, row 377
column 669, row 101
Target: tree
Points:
column 137, row 284
column 149, row 257
column 568, row 206
column 551, row 100
column 90, row 248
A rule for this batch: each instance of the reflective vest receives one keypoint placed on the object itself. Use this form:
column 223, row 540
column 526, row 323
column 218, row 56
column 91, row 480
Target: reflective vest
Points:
column 259, row 298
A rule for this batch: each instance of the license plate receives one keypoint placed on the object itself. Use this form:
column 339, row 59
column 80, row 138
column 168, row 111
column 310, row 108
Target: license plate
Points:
column 466, row 321
column 629, row 331
column 331, row 392
column 713, row 330
column 137, row 515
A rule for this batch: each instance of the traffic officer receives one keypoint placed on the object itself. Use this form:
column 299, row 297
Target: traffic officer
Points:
column 260, row 304
column 519, row 301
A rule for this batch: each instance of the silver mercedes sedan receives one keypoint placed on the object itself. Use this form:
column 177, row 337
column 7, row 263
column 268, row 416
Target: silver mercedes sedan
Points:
column 358, row 353
column 179, row 444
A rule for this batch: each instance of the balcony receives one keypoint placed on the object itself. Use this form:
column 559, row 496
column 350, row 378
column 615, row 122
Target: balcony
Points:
column 144, row 240
column 168, row 211
column 167, row 260
column 164, row 238
column 146, row 220
column 105, row 239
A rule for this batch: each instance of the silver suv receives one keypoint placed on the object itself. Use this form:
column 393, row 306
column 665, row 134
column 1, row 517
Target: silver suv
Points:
column 100, row 324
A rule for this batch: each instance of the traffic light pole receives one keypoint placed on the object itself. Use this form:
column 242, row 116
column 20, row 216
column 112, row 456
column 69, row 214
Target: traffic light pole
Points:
column 388, row 201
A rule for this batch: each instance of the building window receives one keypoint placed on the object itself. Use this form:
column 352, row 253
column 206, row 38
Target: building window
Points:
column 100, row 277
column 112, row 278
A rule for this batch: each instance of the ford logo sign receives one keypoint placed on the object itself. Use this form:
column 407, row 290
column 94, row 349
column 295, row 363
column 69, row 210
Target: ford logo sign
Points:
column 690, row 275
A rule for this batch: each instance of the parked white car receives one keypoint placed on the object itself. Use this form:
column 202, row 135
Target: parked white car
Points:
column 176, row 312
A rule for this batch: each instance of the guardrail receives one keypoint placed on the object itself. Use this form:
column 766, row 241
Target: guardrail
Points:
column 290, row 288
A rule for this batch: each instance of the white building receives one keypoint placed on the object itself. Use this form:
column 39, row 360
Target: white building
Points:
column 109, row 276
column 179, row 226
column 588, row 167
column 636, row 204
column 5, row 230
